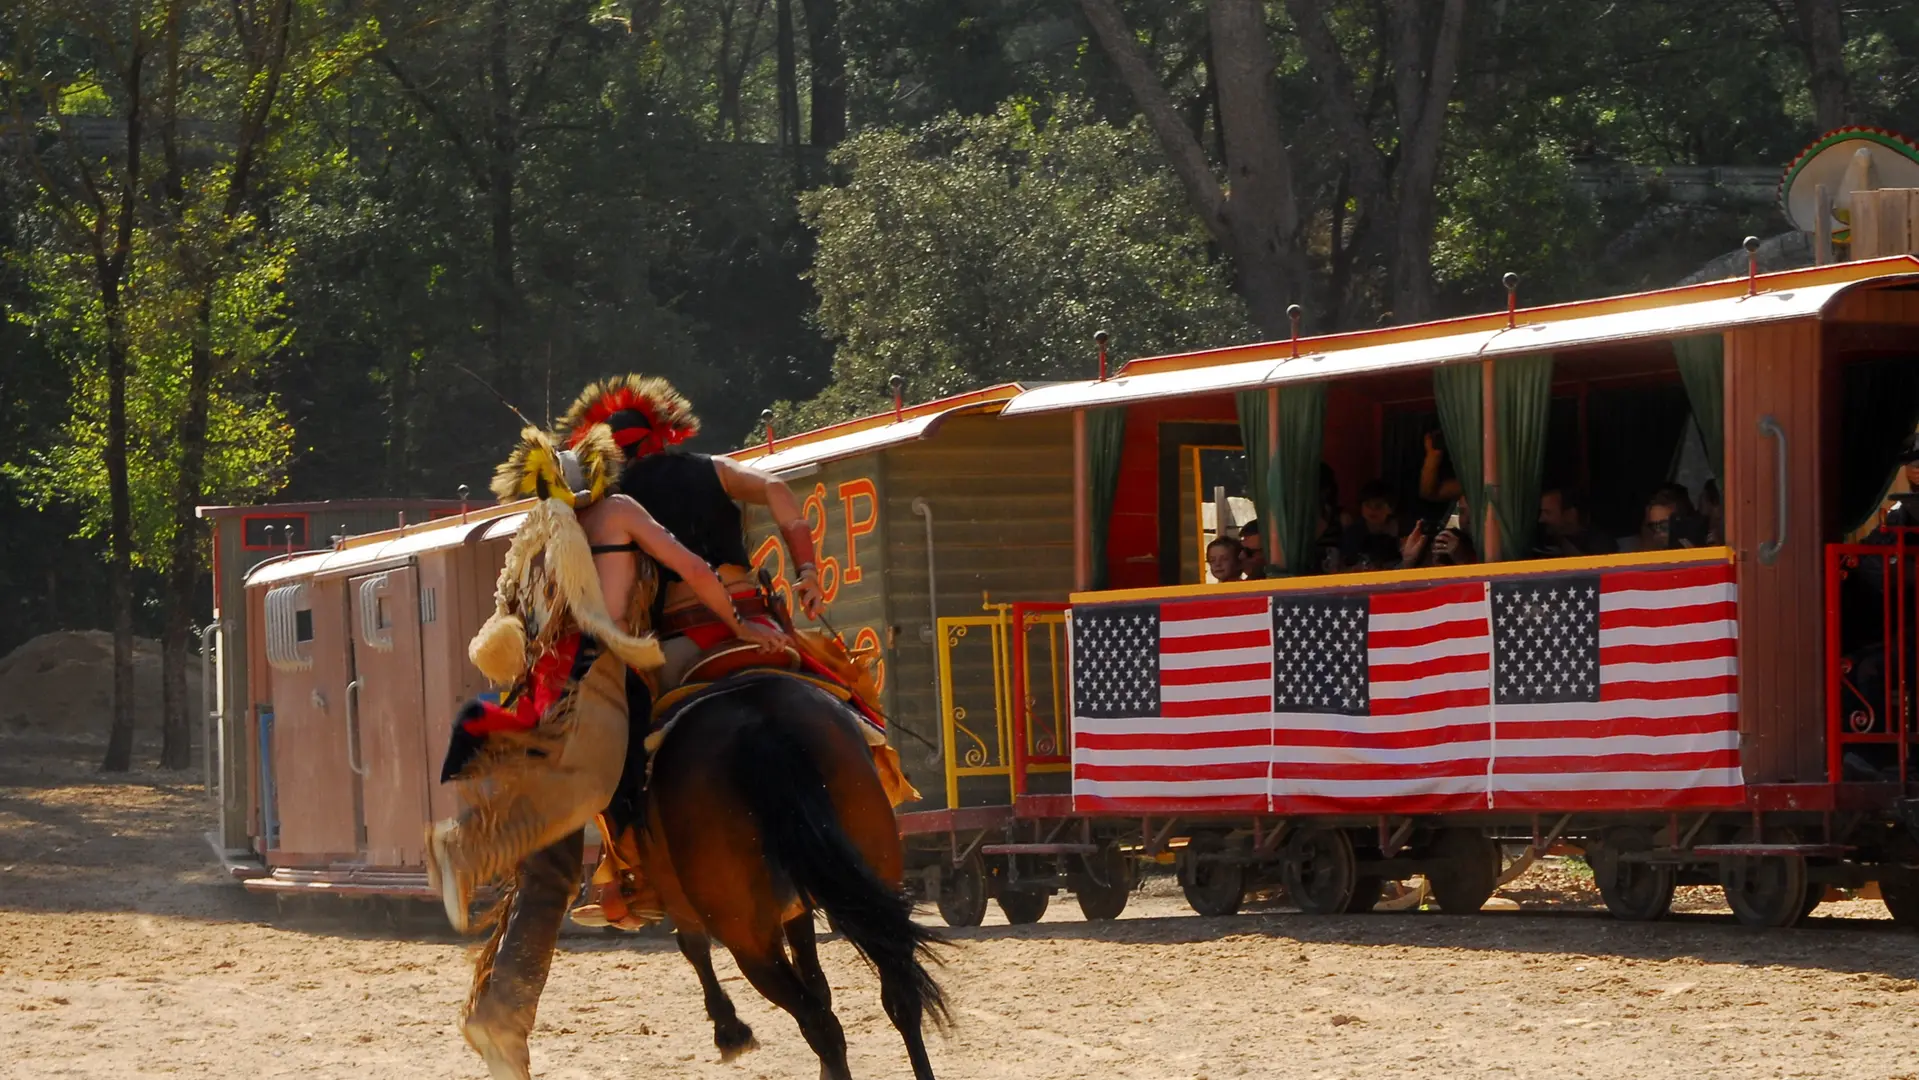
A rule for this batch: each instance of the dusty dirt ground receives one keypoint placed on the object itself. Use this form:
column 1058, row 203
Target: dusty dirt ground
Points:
column 123, row 954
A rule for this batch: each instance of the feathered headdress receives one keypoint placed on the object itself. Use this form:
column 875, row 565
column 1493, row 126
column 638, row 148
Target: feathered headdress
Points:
column 549, row 567
column 577, row 476
column 645, row 415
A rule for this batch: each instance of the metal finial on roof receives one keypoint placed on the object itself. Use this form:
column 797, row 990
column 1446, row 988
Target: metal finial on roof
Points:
column 898, row 386
column 766, row 417
column 1100, row 339
column 1752, row 265
column 1511, row 281
column 1294, row 312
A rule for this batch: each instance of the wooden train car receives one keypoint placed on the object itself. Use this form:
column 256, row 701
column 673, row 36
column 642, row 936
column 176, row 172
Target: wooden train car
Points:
column 1735, row 711
column 1072, row 692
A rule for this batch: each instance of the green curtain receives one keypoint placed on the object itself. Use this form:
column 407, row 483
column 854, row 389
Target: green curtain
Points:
column 1522, row 410
column 1105, row 443
column 1252, row 432
column 1456, row 392
column 1292, row 483
column 1702, row 367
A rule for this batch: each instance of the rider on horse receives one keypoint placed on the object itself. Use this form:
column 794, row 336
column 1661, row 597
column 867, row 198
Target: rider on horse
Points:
column 540, row 764
column 697, row 498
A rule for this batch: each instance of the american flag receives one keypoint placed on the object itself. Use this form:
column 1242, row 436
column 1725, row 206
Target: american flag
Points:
column 1172, row 705
column 1616, row 690
column 1416, row 736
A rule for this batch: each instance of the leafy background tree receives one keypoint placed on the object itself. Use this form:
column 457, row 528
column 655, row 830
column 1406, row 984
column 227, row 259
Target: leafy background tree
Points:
column 253, row 249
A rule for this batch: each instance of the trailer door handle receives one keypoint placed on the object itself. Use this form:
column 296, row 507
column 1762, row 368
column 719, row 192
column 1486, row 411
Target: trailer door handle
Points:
column 353, row 728
column 1769, row 550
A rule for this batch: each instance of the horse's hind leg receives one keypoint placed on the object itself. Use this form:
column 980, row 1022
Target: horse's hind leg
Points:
column 806, row 958
column 774, row 976
column 901, row 999
column 730, row 1033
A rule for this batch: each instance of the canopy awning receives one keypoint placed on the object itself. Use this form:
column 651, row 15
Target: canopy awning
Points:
column 374, row 550
column 1548, row 330
column 866, row 435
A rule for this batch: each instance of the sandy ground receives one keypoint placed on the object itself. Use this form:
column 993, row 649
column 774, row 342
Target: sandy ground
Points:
column 123, row 954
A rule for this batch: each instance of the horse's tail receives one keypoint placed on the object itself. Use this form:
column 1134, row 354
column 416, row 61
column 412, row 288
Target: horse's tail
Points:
column 783, row 786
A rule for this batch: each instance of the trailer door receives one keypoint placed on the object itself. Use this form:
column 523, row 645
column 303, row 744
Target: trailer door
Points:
column 389, row 699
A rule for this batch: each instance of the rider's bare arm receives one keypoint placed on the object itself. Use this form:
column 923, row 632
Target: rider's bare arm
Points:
column 749, row 485
column 656, row 541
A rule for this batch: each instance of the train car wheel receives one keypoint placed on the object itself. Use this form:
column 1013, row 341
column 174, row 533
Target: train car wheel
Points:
column 1212, row 888
column 1632, row 891
column 1320, row 873
column 1766, row 891
column 1901, row 897
column 1022, row 907
column 1466, row 870
column 1101, row 902
column 962, row 901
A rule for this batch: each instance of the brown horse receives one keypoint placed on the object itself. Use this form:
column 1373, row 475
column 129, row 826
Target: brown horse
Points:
column 764, row 807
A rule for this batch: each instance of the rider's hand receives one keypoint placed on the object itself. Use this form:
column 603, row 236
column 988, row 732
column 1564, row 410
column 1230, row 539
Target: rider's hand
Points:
column 811, row 598
column 761, row 635
column 1411, row 548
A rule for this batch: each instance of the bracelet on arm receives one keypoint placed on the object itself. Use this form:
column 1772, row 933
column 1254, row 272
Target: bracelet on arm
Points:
column 799, row 542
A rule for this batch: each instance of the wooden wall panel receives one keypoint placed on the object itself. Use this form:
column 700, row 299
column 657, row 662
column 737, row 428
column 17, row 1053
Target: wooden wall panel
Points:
column 1778, row 371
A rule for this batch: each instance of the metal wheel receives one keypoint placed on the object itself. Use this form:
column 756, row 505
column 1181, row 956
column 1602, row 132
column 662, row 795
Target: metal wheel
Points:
column 1901, row 896
column 1765, row 891
column 1467, row 870
column 962, row 901
column 1212, row 888
column 1099, row 902
column 1320, row 873
column 1633, row 891
column 1022, row 907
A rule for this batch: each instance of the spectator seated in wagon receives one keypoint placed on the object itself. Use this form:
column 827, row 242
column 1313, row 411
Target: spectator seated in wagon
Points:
column 1564, row 528
column 1225, row 559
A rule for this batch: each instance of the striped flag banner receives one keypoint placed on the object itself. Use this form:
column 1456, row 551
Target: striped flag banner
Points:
column 1615, row 690
column 1172, row 705
column 1413, row 733
column 1656, row 724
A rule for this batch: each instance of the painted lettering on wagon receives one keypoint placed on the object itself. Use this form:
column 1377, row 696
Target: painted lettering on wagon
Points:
column 859, row 506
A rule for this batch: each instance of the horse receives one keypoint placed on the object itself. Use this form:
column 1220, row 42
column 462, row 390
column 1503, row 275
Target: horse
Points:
column 764, row 807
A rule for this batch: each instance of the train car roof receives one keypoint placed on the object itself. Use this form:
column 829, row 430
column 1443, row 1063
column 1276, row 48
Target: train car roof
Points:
column 370, row 552
column 869, row 433
column 1692, row 309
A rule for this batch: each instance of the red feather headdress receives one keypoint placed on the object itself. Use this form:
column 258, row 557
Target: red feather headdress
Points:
column 646, row 415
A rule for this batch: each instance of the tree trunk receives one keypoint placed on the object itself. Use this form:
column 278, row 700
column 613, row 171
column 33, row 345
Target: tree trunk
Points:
column 110, row 272
column 1824, row 38
column 1261, row 210
column 503, row 150
column 183, row 568
column 787, row 73
column 1427, row 66
column 826, row 61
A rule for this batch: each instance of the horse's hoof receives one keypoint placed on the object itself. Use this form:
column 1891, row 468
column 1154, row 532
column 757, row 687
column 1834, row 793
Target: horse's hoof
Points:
column 734, row 1043
column 505, row 1054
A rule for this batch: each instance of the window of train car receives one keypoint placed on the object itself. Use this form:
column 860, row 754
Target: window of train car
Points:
column 1183, row 554
column 1206, row 473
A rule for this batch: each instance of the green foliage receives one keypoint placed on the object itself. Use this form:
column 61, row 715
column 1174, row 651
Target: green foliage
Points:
column 248, row 440
column 977, row 250
column 1513, row 208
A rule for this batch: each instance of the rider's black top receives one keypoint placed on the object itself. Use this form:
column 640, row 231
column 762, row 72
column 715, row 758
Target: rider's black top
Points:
column 683, row 493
